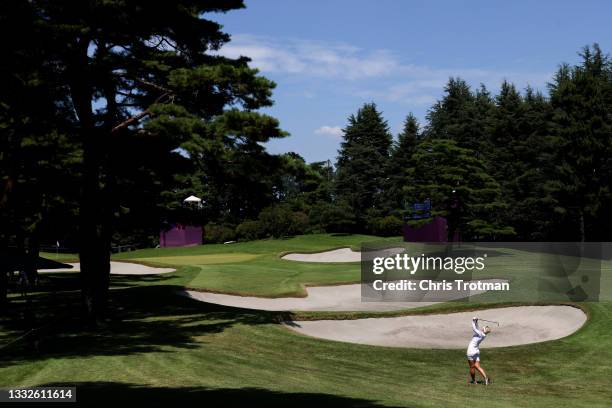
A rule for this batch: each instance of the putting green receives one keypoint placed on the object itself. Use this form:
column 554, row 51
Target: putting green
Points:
column 211, row 259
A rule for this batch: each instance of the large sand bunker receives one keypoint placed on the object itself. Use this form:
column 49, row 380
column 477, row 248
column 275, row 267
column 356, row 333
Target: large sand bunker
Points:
column 518, row 325
column 335, row 255
column 119, row 268
column 325, row 298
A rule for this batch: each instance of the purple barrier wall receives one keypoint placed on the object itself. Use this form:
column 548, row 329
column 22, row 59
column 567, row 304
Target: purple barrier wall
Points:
column 181, row 235
column 434, row 231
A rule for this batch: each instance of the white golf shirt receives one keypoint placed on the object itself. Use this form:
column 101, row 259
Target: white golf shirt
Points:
column 477, row 338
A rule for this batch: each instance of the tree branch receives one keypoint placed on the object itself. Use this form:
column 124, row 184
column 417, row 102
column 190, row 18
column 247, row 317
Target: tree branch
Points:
column 147, row 112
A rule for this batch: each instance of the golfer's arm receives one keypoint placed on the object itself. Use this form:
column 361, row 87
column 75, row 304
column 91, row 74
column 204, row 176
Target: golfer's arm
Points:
column 475, row 328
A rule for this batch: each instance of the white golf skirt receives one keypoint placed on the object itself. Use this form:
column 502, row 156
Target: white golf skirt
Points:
column 473, row 356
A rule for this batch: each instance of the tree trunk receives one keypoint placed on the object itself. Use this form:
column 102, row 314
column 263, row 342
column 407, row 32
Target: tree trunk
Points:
column 94, row 232
column 94, row 248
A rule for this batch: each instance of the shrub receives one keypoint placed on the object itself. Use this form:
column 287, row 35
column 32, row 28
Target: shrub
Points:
column 249, row 230
column 216, row 233
column 386, row 226
column 275, row 220
column 299, row 223
column 279, row 220
column 332, row 218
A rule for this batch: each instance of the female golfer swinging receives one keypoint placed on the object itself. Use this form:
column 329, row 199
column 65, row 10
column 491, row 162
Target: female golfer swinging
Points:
column 473, row 351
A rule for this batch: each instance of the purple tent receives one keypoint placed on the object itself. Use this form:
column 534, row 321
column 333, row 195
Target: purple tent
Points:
column 181, row 235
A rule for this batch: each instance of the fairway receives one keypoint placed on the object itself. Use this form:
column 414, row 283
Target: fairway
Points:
column 255, row 268
column 298, row 204
column 160, row 345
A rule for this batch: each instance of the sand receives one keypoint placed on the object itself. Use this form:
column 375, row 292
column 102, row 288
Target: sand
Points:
column 325, row 298
column 336, row 255
column 518, row 325
column 119, row 268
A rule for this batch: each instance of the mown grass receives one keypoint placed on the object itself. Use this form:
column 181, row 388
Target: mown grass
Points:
column 162, row 348
column 165, row 348
column 256, row 268
column 60, row 257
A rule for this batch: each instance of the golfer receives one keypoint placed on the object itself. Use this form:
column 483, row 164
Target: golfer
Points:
column 473, row 351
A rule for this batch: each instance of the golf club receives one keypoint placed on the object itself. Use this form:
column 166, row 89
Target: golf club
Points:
column 489, row 321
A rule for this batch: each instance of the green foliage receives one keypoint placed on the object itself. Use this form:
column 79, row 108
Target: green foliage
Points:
column 362, row 163
column 580, row 146
column 218, row 233
column 389, row 226
column 333, row 218
column 399, row 164
column 249, row 230
column 457, row 183
column 279, row 220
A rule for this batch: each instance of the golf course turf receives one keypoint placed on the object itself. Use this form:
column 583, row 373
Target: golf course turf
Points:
column 161, row 347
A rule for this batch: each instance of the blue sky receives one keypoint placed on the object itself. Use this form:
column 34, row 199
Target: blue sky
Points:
column 329, row 57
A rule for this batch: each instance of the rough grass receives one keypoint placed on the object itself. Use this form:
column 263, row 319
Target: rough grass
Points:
column 162, row 348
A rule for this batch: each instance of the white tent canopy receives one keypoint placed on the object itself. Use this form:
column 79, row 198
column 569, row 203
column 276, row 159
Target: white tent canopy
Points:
column 192, row 199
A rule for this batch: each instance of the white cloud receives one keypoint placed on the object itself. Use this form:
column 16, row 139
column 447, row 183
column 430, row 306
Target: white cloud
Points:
column 423, row 86
column 390, row 79
column 329, row 60
column 334, row 131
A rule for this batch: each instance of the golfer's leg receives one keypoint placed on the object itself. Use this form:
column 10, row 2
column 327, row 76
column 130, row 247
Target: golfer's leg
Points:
column 472, row 370
column 480, row 369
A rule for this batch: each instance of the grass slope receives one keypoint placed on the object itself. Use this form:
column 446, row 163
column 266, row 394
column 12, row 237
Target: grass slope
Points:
column 256, row 268
column 163, row 348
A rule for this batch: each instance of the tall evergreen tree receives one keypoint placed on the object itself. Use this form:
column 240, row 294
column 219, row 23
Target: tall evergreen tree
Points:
column 506, row 142
column 141, row 69
column 38, row 150
column 362, row 161
column 460, row 189
column 406, row 142
column 505, row 136
column 452, row 116
column 581, row 130
column 400, row 163
column 482, row 121
column 530, row 210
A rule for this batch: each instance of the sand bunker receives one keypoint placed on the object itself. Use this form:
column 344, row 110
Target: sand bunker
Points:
column 119, row 268
column 336, row 255
column 518, row 325
column 324, row 298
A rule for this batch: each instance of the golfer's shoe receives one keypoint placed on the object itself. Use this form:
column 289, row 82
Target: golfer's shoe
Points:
column 472, row 382
column 488, row 381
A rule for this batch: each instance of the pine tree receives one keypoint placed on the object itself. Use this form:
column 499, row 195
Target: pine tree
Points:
column 505, row 137
column 400, row 163
column 581, row 130
column 38, row 152
column 362, row 162
column 452, row 116
column 530, row 210
column 406, row 142
column 481, row 123
column 148, row 70
column 460, row 189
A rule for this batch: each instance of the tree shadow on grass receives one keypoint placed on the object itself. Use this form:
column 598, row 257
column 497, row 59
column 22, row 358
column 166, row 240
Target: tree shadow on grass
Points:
column 142, row 319
column 104, row 393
